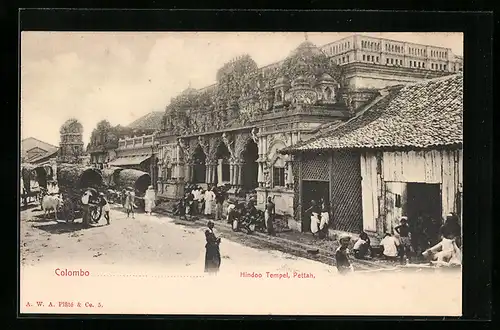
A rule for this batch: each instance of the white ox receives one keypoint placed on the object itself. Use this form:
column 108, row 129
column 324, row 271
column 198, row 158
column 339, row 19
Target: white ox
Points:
column 51, row 202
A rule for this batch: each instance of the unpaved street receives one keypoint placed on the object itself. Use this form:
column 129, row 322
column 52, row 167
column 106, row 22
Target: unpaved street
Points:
column 135, row 264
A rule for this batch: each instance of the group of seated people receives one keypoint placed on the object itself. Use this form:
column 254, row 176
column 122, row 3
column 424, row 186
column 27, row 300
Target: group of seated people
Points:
column 446, row 251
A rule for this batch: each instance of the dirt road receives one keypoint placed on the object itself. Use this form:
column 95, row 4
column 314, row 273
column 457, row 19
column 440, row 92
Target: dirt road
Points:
column 164, row 259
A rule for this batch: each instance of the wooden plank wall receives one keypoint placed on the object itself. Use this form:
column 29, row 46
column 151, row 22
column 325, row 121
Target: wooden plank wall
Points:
column 369, row 191
column 435, row 166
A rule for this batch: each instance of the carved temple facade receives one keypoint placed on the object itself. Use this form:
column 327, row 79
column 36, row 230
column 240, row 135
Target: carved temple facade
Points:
column 230, row 133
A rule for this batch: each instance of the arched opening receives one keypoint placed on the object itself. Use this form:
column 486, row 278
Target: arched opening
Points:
column 222, row 155
column 279, row 96
column 41, row 177
column 328, row 93
column 199, row 167
column 90, row 178
column 250, row 166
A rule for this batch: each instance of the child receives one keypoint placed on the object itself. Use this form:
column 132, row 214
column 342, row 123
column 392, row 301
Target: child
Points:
column 105, row 207
column 403, row 231
column 390, row 246
column 362, row 247
column 342, row 255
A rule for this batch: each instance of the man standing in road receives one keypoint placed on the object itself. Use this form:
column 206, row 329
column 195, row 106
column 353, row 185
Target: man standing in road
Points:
column 85, row 208
column 219, row 201
column 269, row 216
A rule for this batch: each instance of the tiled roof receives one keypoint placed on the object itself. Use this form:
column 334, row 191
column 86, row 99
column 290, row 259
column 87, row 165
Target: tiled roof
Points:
column 419, row 115
column 45, row 156
column 150, row 121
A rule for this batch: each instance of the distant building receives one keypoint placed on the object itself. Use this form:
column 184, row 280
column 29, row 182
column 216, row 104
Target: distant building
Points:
column 148, row 123
column 71, row 144
column 138, row 150
column 401, row 155
column 230, row 133
column 32, row 148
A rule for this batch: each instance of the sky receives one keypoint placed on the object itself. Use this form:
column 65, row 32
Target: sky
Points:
column 121, row 76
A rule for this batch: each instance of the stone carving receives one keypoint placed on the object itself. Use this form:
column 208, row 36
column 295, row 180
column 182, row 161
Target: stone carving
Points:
column 193, row 143
column 203, row 144
column 240, row 144
column 254, row 136
column 214, row 143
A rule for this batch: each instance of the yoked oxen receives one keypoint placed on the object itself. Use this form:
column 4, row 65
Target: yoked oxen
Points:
column 51, row 202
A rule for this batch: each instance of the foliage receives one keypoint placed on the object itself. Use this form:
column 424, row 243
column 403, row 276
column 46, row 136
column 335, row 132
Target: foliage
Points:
column 105, row 137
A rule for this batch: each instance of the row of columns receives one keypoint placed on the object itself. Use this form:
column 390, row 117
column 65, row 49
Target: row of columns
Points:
column 236, row 174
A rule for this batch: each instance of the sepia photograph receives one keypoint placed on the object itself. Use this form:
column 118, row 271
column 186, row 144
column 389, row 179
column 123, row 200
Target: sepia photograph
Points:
column 255, row 173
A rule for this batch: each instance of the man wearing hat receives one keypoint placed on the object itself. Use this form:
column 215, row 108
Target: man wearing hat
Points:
column 342, row 255
column 403, row 231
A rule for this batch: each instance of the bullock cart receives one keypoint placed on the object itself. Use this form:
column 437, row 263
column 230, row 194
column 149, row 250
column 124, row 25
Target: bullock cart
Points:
column 34, row 181
column 135, row 179
column 74, row 181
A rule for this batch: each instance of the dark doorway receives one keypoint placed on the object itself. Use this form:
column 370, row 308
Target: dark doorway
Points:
column 250, row 167
column 199, row 167
column 313, row 190
column 424, row 213
column 223, row 154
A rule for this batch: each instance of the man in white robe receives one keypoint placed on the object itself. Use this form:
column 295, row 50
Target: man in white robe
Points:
column 209, row 200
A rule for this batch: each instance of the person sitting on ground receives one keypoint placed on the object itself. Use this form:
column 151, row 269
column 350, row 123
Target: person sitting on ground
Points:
column 451, row 228
column 362, row 247
column 390, row 247
column 445, row 252
column 342, row 255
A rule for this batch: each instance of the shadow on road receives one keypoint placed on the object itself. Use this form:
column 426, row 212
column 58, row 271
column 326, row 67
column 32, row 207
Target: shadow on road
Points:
column 30, row 206
column 63, row 227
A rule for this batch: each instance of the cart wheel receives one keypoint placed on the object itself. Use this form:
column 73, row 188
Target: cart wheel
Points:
column 95, row 214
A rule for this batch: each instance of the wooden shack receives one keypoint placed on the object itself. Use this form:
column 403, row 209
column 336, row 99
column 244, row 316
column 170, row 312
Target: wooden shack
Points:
column 401, row 155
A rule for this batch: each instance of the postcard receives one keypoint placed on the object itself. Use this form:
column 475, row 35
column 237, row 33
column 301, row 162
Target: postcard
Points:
column 230, row 173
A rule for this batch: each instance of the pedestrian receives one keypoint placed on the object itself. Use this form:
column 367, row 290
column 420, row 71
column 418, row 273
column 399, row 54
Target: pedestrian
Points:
column 85, row 208
column 201, row 201
column 105, row 206
column 269, row 216
column 209, row 201
column 196, row 198
column 149, row 200
column 129, row 204
column 212, row 254
column 314, row 212
column 403, row 231
column 390, row 247
column 342, row 255
column 188, row 205
column 219, row 202
column 325, row 219
column 362, row 247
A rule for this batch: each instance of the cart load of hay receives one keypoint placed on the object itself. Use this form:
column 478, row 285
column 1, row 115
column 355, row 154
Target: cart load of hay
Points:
column 110, row 176
column 75, row 177
column 136, row 179
column 31, row 174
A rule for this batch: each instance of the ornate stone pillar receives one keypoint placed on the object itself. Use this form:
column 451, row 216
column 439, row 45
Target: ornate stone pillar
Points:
column 289, row 174
column 231, row 173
